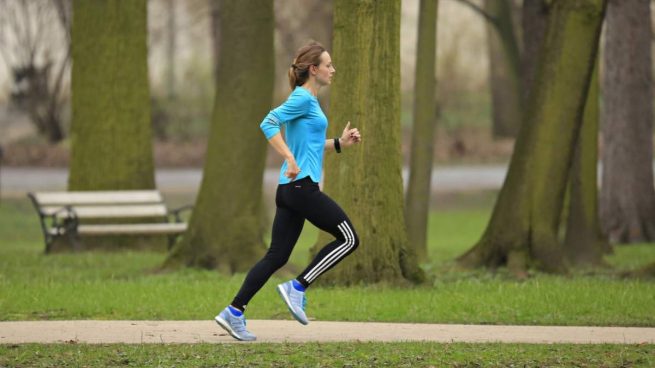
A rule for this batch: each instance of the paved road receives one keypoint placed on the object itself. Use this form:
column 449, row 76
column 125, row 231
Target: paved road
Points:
column 21, row 180
column 137, row 332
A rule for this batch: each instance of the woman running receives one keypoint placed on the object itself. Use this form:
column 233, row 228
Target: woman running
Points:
column 298, row 196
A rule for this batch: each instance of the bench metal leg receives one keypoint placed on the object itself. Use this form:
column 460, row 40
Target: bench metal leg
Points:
column 71, row 231
column 48, row 243
column 171, row 240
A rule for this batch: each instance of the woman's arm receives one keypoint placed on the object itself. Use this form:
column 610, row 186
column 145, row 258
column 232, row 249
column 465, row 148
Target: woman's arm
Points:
column 281, row 147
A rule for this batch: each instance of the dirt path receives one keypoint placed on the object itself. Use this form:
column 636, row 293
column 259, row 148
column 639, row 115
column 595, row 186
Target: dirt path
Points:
column 136, row 332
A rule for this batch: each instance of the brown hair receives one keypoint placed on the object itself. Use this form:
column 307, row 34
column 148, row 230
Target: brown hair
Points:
column 306, row 56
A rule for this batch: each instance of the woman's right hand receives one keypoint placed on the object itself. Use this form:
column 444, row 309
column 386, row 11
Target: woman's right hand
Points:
column 292, row 170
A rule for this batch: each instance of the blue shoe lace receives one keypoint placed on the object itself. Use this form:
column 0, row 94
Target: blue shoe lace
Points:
column 304, row 303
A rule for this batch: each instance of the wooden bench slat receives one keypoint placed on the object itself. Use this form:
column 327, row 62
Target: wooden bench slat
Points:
column 155, row 210
column 164, row 228
column 99, row 197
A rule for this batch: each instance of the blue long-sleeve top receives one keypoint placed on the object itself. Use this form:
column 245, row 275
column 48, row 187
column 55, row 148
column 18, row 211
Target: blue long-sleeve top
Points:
column 305, row 127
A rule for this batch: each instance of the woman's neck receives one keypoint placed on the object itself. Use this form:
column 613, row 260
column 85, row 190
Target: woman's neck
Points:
column 312, row 87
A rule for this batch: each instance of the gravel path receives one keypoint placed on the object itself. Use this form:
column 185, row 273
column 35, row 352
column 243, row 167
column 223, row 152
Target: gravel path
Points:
column 137, row 332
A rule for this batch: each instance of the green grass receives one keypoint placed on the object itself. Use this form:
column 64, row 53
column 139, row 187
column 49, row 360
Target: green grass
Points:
column 122, row 285
column 354, row 354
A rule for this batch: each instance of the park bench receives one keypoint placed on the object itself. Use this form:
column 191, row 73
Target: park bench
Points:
column 61, row 214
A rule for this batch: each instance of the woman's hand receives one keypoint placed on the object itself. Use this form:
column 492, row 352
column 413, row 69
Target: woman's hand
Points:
column 349, row 136
column 292, row 170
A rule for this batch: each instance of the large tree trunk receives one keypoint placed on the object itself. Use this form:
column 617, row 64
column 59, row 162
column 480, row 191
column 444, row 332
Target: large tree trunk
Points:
column 366, row 180
column 584, row 242
column 627, row 202
column 417, row 202
column 215, row 24
column 171, row 32
column 523, row 228
column 534, row 19
column 111, row 130
column 504, row 69
column 225, row 231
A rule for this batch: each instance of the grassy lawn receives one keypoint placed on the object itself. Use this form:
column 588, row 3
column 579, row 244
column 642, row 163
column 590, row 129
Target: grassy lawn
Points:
column 328, row 355
column 122, row 285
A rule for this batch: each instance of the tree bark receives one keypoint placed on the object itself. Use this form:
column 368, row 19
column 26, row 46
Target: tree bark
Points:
column 584, row 243
column 215, row 8
column 366, row 179
column 504, row 69
column 627, row 201
column 171, row 32
column 534, row 19
column 523, row 228
column 225, row 231
column 111, row 130
column 417, row 202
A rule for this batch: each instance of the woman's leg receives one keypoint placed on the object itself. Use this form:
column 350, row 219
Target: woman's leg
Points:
column 324, row 213
column 287, row 227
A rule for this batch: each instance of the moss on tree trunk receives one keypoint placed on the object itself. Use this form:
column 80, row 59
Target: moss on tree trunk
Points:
column 110, row 130
column 523, row 228
column 504, row 69
column 366, row 179
column 534, row 16
column 225, row 231
column 417, row 202
column 584, row 243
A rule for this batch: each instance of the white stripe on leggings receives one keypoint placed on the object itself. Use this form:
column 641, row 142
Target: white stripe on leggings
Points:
column 342, row 252
column 335, row 255
column 334, row 252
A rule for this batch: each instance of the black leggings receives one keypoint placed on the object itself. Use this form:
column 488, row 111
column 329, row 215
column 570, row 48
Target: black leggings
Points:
column 297, row 201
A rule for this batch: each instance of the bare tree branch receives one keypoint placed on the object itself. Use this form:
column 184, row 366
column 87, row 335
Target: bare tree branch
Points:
column 35, row 47
column 473, row 6
column 64, row 12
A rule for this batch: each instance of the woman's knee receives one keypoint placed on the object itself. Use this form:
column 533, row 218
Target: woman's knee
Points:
column 356, row 243
column 276, row 260
column 355, row 239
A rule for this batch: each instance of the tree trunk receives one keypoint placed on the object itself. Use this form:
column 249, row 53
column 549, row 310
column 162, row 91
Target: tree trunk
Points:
column 505, row 69
column 225, row 231
column 171, row 32
column 627, row 201
column 584, row 242
column 366, row 179
column 417, row 202
column 534, row 19
column 523, row 228
column 111, row 130
column 53, row 122
column 215, row 6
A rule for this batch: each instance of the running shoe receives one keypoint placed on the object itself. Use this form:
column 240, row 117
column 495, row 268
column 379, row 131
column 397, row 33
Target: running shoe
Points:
column 295, row 301
column 234, row 325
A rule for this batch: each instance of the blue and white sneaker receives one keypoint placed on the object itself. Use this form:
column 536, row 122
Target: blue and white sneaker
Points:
column 234, row 324
column 295, row 299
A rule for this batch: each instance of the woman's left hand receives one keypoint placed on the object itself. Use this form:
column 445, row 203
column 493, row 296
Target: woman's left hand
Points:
column 350, row 136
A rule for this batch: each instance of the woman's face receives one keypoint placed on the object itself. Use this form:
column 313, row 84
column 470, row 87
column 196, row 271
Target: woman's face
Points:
column 325, row 70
